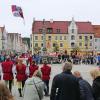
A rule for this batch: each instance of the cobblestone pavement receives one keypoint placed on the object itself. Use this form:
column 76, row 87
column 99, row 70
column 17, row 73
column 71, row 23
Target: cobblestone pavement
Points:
column 57, row 68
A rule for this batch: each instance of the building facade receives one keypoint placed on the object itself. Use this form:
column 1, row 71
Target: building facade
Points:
column 67, row 35
column 3, row 38
column 97, row 38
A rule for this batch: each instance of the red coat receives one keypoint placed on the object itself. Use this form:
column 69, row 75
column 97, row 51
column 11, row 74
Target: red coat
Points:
column 32, row 69
column 7, row 70
column 21, row 72
column 30, row 60
column 46, row 70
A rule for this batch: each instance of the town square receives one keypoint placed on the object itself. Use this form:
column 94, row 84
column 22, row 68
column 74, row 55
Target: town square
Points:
column 49, row 50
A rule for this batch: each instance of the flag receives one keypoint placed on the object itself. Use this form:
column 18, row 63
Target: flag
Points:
column 17, row 11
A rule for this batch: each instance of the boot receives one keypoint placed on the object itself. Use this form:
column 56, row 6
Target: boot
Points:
column 20, row 94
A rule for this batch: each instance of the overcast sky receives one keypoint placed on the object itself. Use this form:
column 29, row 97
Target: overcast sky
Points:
column 81, row 10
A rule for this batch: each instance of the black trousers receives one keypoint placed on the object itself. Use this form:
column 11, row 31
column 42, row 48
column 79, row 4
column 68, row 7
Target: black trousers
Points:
column 9, row 84
column 46, row 89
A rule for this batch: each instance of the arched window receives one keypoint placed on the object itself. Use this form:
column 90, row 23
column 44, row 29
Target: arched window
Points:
column 72, row 44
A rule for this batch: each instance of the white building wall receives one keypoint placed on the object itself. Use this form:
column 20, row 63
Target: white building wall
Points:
column 0, row 39
column 71, row 33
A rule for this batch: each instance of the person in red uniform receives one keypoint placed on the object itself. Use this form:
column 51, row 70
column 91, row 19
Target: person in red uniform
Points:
column 21, row 75
column 30, row 60
column 7, row 67
column 33, row 67
column 46, row 70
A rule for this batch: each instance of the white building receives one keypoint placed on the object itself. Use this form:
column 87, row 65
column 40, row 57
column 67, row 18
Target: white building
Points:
column 3, row 38
column 15, row 42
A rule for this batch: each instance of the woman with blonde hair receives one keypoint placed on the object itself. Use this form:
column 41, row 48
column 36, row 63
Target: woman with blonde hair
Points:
column 95, row 73
column 5, row 93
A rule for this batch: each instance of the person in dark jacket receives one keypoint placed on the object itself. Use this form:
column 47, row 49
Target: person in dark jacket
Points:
column 95, row 73
column 65, row 85
column 86, row 92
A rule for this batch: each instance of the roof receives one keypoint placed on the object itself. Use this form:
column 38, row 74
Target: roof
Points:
column 83, row 27
column 96, row 31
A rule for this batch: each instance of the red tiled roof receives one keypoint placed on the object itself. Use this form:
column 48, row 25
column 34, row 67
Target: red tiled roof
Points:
column 83, row 27
column 96, row 31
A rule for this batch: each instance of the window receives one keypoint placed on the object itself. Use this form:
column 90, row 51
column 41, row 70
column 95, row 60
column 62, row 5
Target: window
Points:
column 80, row 44
column 95, row 40
column 90, row 37
column 40, row 30
column 58, row 30
column 61, row 44
column 36, row 44
column 49, row 37
column 72, row 44
column 90, row 44
column 49, row 30
column 72, row 30
column 56, row 38
column 95, row 47
column 41, row 37
column 72, row 37
column 80, row 37
column 36, row 37
column 60, row 37
column 41, row 44
column 86, row 37
column 65, row 38
column 54, row 44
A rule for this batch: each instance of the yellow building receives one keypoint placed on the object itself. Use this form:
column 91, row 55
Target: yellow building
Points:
column 66, row 35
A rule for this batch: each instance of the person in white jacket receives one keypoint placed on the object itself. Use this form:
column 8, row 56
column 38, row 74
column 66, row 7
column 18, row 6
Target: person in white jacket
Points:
column 34, row 87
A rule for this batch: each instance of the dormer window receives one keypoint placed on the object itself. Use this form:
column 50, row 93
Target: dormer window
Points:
column 58, row 30
column 40, row 30
column 49, row 30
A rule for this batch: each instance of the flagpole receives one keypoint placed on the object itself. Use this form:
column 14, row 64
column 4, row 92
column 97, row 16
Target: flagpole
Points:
column 23, row 21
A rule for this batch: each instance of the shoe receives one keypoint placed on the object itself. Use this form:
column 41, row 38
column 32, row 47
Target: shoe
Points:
column 46, row 95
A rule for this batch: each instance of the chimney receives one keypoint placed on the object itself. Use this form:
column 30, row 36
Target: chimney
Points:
column 51, row 20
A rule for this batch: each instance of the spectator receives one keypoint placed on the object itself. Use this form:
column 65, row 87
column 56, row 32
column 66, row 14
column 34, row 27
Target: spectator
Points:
column 4, row 92
column 85, row 88
column 33, row 89
column 95, row 73
column 65, row 86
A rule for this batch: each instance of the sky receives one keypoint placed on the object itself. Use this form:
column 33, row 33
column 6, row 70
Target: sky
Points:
column 63, row 10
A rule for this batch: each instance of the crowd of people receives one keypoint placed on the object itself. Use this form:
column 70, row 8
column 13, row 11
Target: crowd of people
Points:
column 33, row 81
